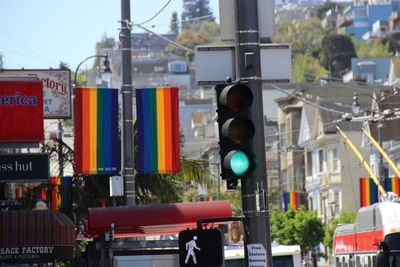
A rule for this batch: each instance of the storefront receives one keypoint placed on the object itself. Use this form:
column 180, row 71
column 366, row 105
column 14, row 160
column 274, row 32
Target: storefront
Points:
column 35, row 236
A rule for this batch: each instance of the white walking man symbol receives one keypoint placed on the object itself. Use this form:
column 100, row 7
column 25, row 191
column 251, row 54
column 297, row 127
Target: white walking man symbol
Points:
column 190, row 246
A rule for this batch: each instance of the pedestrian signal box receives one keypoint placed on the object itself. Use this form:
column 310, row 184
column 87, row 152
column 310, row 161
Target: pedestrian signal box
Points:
column 201, row 248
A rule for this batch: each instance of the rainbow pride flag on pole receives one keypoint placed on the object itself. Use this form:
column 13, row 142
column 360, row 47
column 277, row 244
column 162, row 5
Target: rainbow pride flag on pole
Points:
column 368, row 192
column 96, row 131
column 291, row 200
column 157, row 130
column 393, row 185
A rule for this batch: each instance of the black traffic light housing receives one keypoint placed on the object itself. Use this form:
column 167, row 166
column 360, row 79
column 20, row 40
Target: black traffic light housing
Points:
column 236, row 130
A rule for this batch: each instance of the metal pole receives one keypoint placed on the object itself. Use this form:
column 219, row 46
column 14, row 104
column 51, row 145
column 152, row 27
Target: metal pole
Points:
column 254, row 187
column 60, row 132
column 127, row 115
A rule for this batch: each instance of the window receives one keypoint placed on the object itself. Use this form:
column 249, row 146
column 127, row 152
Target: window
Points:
column 178, row 66
column 320, row 160
column 361, row 13
column 283, row 135
column 335, row 164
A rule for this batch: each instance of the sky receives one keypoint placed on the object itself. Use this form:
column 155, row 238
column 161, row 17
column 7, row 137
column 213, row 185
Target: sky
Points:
column 38, row 34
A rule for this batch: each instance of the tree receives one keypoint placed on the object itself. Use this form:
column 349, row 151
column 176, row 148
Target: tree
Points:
column 198, row 33
column 336, row 53
column 301, row 227
column 303, row 35
column 375, row 48
column 174, row 26
column 193, row 9
column 307, row 69
column 321, row 10
column 63, row 65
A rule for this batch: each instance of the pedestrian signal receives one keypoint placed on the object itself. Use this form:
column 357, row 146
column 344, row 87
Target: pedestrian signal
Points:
column 201, row 248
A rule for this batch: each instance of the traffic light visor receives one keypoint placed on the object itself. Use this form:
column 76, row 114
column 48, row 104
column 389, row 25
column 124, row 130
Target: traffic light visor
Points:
column 236, row 97
column 237, row 161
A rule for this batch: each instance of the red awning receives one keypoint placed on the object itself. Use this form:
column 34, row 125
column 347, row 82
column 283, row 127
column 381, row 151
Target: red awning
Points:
column 159, row 219
column 28, row 236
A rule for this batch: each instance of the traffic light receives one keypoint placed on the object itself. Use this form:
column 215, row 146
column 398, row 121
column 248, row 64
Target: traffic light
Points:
column 236, row 130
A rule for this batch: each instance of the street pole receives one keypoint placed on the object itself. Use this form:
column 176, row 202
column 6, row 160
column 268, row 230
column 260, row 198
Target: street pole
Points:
column 248, row 69
column 60, row 132
column 127, row 94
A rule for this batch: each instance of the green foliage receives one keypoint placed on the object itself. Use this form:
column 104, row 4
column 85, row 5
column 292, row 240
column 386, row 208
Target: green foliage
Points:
column 174, row 25
column 374, row 48
column 63, row 65
column 282, row 227
column 344, row 217
column 303, row 35
column 300, row 227
column 193, row 9
column 336, row 53
column 320, row 11
column 196, row 34
column 307, row 69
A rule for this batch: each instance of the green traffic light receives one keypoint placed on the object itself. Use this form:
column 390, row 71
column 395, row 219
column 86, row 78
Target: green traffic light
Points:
column 239, row 162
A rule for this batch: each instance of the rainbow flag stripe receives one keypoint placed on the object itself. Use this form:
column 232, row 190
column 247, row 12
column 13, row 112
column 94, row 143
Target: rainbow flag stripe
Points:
column 368, row 192
column 157, row 130
column 393, row 185
column 291, row 200
column 96, row 131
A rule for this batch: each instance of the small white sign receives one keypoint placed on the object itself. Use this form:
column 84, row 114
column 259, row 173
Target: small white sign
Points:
column 214, row 63
column 257, row 255
column 116, row 186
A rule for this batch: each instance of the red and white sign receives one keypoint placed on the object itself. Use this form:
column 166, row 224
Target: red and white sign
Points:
column 21, row 110
column 56, row 90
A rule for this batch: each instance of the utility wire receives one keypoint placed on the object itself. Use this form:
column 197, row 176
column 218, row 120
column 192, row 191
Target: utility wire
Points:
column 186, row 20
column 158, row 13
column 32, row 57
column 160, row 36
column 308, row 102
column 29, row 49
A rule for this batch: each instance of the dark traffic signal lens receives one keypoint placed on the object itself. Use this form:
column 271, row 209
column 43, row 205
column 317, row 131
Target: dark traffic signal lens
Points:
column 236, row 97
column 238, row 130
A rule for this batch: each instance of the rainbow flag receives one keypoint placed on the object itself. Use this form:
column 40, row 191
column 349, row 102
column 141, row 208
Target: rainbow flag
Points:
column 291, row 200
column 96, row 131
column 368, row 192
column 157, row 130
column 393, row 185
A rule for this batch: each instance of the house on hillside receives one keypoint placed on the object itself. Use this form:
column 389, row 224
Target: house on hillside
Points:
column 315, row 160
column 371, row 71
column 358, row 20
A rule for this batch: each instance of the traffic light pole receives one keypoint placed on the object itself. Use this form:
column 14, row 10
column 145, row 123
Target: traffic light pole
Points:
column 128, row 173
column 254, row 186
